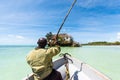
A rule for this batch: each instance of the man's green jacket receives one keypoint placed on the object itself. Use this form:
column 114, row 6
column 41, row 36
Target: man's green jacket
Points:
column 40, row 61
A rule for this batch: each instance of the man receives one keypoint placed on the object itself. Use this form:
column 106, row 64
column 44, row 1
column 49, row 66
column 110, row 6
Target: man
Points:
column 40, row 60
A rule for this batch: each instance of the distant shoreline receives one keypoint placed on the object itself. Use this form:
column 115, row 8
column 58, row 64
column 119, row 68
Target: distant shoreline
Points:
column 99, row 43
column 103, row 43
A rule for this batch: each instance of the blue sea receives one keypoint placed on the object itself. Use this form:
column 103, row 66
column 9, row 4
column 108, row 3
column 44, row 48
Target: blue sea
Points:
column 106, row 59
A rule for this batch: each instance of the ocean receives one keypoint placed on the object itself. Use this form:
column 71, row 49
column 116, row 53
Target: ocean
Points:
column 106, row 59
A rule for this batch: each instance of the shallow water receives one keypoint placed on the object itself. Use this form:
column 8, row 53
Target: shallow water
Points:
column 103, row 58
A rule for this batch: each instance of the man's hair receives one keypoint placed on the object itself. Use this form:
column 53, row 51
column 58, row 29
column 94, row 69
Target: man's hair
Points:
column 42, row 42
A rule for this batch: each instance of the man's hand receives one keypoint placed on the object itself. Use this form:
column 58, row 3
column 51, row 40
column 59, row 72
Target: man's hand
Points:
column 55, row 41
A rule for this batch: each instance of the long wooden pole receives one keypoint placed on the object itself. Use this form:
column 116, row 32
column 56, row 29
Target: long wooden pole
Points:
column 65, row 19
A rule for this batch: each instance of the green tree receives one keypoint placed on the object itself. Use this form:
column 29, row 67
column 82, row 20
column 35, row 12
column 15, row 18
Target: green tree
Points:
column 49, row 35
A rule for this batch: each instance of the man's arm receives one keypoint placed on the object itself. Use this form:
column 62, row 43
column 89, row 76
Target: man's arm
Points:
column 54, row 50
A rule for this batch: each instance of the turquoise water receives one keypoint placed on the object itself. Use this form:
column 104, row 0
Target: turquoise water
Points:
column 13, row 64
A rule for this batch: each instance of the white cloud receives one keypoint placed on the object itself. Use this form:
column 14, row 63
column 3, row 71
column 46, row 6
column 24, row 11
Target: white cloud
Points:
column 19, row 37
column 85, row 3
column 12, row 39
column 16, row 36
column 118, row 35
column 10, row 35
column 97, row 3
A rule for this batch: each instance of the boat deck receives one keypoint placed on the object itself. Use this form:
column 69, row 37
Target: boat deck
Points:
column 78, row 70
column 76, row 74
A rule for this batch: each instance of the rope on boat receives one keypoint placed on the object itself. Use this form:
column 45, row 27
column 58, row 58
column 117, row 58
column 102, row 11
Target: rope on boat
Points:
column 67, row 59
column 66, row 64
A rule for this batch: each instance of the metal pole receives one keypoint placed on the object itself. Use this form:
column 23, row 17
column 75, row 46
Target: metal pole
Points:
column 65, row 18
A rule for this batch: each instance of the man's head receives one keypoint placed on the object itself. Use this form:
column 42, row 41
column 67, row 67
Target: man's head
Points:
column 42, row 42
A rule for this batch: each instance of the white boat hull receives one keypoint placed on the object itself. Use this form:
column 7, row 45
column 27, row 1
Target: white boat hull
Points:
column 78, row 70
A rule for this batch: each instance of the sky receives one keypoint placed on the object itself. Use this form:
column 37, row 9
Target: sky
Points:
column 23, row 22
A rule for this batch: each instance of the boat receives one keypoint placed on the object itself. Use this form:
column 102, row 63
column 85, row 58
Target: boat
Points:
column 74, row 69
